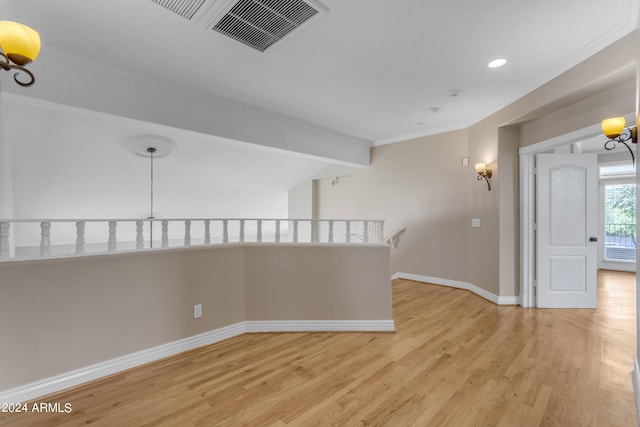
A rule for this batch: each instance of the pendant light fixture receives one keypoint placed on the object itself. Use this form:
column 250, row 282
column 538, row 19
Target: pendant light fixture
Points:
column 151, row 151
column 152, row 147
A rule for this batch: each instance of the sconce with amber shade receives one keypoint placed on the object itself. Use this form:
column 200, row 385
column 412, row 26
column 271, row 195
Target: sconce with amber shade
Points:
column 483, row 173
column 615, row 130
column 20, row 46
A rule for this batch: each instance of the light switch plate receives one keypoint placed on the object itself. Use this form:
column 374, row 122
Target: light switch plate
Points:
column 475, row 222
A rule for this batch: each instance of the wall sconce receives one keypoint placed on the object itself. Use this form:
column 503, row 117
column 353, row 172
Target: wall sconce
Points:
column 20, row 46
column 483, row 173
column 615, row 130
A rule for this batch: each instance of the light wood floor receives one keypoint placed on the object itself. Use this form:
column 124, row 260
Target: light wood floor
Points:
column 455, row 360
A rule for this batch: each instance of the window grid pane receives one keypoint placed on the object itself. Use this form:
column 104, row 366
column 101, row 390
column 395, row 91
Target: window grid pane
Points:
column 620, row 222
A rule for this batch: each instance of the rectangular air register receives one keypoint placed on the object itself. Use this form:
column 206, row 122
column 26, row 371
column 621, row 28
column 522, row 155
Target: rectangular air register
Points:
column 255, row 23
column 185, row 8
column 261, row 23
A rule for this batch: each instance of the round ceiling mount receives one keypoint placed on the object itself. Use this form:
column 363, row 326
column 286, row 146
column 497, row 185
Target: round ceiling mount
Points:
column 145, row 145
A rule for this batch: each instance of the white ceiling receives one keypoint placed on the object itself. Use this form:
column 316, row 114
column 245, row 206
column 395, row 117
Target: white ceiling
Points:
column 80, row 164
column 367, row 68
column 371, row 69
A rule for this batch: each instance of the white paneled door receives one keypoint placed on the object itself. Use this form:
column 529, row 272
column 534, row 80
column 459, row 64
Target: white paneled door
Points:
column 567, row 218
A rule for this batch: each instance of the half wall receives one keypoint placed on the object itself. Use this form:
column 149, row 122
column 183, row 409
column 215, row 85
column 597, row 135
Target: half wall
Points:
column 61, row 315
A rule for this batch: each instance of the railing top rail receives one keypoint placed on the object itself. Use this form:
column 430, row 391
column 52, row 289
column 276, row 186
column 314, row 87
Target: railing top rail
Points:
column 181, row 219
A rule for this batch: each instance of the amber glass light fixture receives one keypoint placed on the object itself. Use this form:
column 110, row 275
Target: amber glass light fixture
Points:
column 483, row 173
column 20, row 46
column 614, row 129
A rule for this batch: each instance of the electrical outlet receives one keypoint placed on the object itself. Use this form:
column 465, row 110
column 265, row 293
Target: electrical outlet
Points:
column 197, row 311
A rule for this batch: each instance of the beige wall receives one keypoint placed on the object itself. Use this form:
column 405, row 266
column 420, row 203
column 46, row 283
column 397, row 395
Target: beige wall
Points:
column 509, row 226
column 579, row 98
column 615, row 101
column 483, row 248
column 309, row 282
column 64, row 314
column 420, row 185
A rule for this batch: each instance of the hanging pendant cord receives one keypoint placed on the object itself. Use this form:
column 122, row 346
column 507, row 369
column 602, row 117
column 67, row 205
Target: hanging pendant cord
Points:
column 151, row 150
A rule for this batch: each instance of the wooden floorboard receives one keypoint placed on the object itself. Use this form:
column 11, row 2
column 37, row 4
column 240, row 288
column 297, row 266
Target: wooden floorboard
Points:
column 455, row 360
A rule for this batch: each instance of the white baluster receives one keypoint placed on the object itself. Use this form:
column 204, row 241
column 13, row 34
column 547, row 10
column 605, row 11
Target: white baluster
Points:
column 348, row 231
column 259, row 237
column 140, row 234
column 314, row 227
column 164, row 242
column 207, row 232
column 112, row 243
column 225, row 231
column 45, row 242
column 365, row 237
column 5, row 250
column 277, row 230
column 295, row 231
column 241, row 239
column 187, row 232
column 80, row 244
column 330, row 231
column 381, row 231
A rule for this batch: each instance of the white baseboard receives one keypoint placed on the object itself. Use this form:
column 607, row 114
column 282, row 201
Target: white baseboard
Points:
column 60, row 382
column 509, row 300
column 515, row 300
column 321, row 326
column 112, row 366
column 635, row 376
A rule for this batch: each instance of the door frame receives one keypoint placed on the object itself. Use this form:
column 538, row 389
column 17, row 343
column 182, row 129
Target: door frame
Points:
column 527, row 206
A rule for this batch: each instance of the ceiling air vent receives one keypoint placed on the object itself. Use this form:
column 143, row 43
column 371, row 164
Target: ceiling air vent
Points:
column 185, row 8
column 261, row 23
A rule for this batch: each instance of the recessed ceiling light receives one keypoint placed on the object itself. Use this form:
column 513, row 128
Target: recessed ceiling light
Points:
column 496, row 63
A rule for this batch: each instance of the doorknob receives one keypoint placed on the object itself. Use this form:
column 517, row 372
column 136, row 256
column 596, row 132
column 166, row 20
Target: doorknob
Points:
column 593, row 239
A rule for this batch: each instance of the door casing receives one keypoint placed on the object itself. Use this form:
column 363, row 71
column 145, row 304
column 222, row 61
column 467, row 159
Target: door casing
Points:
column 527, row 206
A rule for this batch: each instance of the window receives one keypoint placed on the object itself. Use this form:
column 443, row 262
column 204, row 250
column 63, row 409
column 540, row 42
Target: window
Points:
column 620, row 222
column 619, row 213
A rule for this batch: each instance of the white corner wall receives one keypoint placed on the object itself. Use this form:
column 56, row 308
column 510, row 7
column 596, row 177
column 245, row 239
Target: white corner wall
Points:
column 302, row 201
column 6, row 178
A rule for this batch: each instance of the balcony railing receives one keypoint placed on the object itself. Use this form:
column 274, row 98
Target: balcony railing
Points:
column 38, row 238
column 620, row 242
